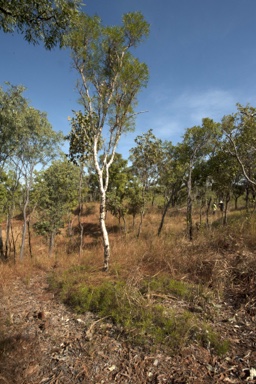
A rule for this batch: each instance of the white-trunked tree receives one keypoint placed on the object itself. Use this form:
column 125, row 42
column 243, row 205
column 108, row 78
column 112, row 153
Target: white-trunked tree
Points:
column 110, row 78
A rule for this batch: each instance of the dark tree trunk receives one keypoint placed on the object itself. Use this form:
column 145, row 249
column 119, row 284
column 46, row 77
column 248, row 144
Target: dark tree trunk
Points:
column 51, row 243
column 2, row 255
column 166, row 207
column 208, row 210
column 225, row 218
column 29, row 239
column 189, row 206
column 140, row 224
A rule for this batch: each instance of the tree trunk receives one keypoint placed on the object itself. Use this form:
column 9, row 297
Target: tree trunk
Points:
column 81, row 213
column 104, row 231
column 247, row 198
column 1, row 245
column 189, row 206
column 166, row 207
column 70, row 225
column 208, row 206
column 124, row 220
column 225, row 218
column 140, row 224
column 201, row 212
column 133, row 220
column 236, row 204
column 24, row 231
column 51, row 243
column 13, row 243
column 8, row 230
column 29, row 239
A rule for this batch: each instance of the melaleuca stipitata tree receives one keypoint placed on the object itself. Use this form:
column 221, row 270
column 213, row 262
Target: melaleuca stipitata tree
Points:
column 110, row 78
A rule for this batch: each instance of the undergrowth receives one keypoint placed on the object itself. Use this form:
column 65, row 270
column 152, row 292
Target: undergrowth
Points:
column 146, row 292
column 143, row 312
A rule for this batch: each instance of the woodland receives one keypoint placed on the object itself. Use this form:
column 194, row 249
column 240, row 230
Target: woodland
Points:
column 137, row 270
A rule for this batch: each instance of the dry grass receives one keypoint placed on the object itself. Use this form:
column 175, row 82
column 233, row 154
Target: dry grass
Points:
column 208, row 260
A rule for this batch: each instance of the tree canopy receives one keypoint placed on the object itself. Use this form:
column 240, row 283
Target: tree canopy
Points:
column 38, row 20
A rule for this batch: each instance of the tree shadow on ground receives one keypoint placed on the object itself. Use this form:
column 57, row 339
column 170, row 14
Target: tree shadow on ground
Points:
column 89, row 229
column 16, row 354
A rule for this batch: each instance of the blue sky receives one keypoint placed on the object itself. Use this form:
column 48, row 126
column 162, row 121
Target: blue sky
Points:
column 201, row 56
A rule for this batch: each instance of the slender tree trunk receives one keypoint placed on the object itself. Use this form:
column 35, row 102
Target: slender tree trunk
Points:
column 201, row 210
column 29, row 239
column 236, row 202
column 8, row 230
column 51, row 243
column 2, row 256
column 140, row 224
column 104, row 231
column 133, row 221
column 247, row 198
column 81, row 238
column 208, row 210
column 166, row 207
column 153, row 199
column 189, row 206
column 225, row 218
column 13, row 244
column 24, row 231
column 124, row 220
column 80, row 213
column 70, row 225
column 142, row 212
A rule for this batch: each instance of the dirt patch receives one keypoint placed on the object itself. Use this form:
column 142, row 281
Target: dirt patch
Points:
column 42, row 341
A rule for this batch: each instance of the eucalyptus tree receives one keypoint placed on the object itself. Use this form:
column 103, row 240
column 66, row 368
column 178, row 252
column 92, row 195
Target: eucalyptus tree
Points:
column 239, row 129
column 38, row 20
column 135, row 201
column 36, row 145
column 145, row 158
column 202, row 184
column 10, row 196
column 80, row 154
column 224, row 172
column 12, row 108
column 55, row 192
column 172, row 172
column 9, row 193
column 198, row 142
column 110, row 78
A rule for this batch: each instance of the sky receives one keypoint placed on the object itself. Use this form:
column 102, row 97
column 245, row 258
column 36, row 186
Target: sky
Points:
column 201, row 56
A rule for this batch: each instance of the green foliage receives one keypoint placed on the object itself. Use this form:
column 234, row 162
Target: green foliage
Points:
column 26, row 136
column 81, row 137
column 110, row 80
column 116, row 206
column 12, row 108
column 56, row 194
column 169, row 286
column 240, row 142
column 38, row 20
column 135, row 200
column 146, row 158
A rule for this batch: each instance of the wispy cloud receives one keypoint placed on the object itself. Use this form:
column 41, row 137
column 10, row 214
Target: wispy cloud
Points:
column 169, row 115
column 214, row 103
column 173, row 114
